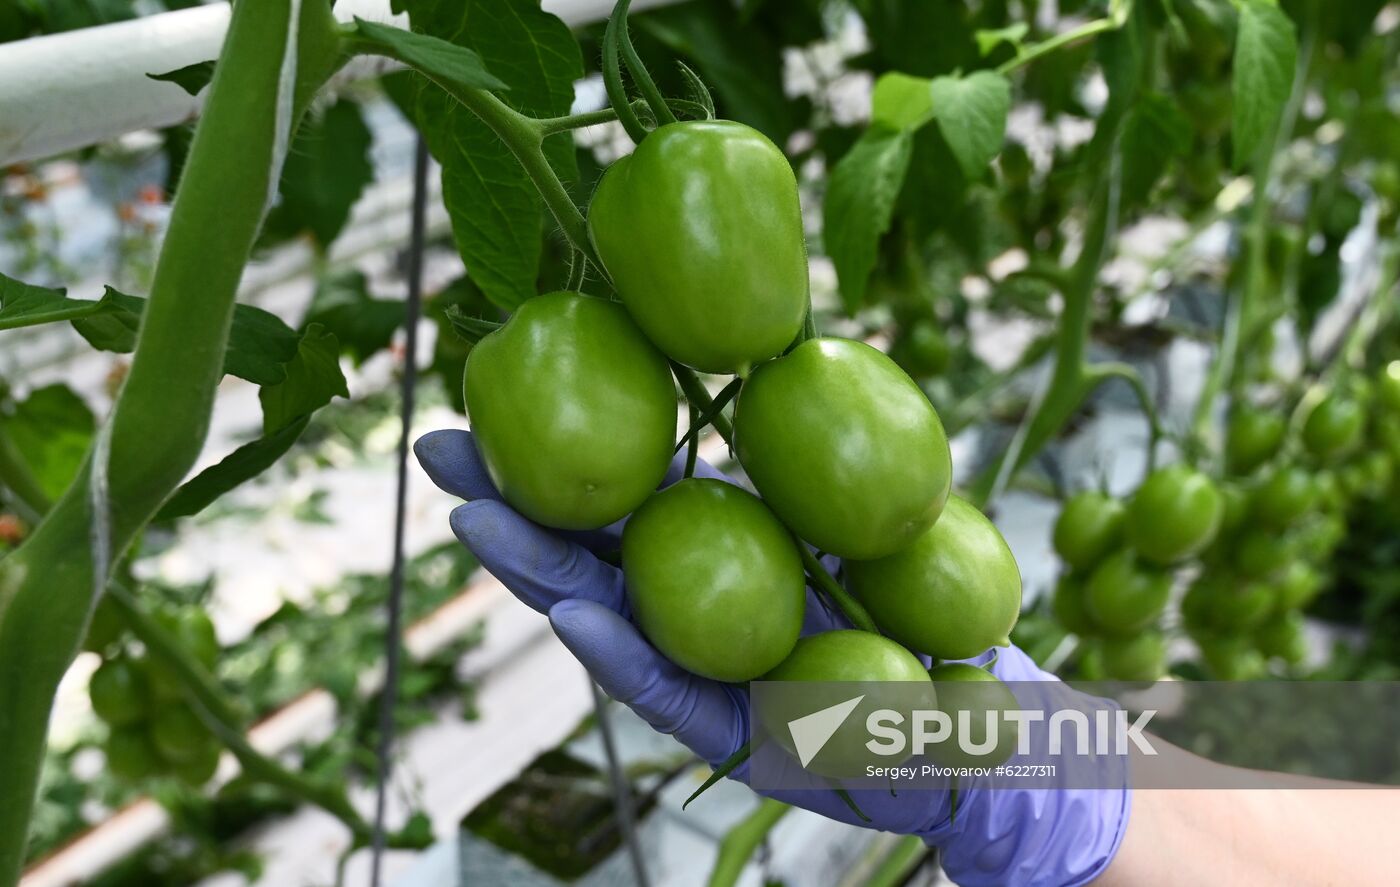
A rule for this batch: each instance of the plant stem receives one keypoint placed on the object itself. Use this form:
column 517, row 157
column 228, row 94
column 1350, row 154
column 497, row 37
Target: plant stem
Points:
column 740, row 842
column 1045, row 47
column 549, row 126
column 640, row 74
column 271, row 65
column 694, row 391
column 612, row 82
column 16, row 476
column 825, row 582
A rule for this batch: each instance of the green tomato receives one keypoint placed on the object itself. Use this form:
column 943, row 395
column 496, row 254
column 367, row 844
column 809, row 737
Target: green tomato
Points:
column 1297, row 587
column 193, row 628
column 1239, row 606
column 844, row 447
column 131, row 755
column 922, row 350
column 1283, row 638
column 105, row 629
column 1261, row 552
column 1285, row 495
column 1388, row 386
column 1089, row 527
column 1089, row 666
column 119, row 693
column 573, row 410
column 1253, row 438
column 953, row 593
column 1125, row 595
column 974, row 698
column 837, row 657
column 1330, row 495
column 1174, row 514
column 1333, row 426
column 177, row 733
column 1142, row 657
column 1231, row 657
column 200, row 764
column 714, row 580
column 701, row 232
column 1378, row 473
column 1070, row 608
column 1236, row 509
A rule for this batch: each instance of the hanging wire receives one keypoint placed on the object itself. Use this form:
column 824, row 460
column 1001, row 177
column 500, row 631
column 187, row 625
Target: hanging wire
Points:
column 393, row 640
column 622, row 792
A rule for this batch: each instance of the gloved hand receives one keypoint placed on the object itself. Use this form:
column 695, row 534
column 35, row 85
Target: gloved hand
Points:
column 1004, row 836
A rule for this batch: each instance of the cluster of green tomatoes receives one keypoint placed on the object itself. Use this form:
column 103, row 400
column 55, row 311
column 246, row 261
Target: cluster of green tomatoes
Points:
column 574, row 410
column 1255, row 544
column 152, row 730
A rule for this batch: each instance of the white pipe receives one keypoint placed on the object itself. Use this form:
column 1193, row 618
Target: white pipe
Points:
column 66, row 91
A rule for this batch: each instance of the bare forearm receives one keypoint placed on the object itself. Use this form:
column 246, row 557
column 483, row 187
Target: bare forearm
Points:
column 1311, row 834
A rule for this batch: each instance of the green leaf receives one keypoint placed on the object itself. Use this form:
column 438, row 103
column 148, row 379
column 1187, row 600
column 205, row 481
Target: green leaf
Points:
column 901, row 101
column 259, row 342
column 52, row 430
column 1156, row 132
column 1266, row 53
column 971, row 112
column 23, row 304
column 438, row 59
column 243, row 464
column 859, row 206
column 467, row 328
column 327, row 169
column 191, row 78
column 312, row 379
column 991, row 39
column 497, row 216
column 924, row 38
column 363, row 324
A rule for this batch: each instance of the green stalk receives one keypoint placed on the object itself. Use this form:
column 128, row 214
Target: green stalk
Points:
column 740, row 842
column 1045, row 47
column 639, row 71
column 48, row 587
column 899, row 863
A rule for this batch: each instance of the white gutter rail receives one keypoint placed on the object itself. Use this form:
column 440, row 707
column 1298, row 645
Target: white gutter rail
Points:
column 67, row 91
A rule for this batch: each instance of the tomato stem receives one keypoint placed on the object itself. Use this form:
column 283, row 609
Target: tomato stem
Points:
column 1045, row 47
column 827, row 584
column 639, row 71
column 612, row 82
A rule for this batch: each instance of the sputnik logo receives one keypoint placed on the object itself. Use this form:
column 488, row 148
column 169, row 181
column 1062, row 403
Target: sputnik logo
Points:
column 811, row 733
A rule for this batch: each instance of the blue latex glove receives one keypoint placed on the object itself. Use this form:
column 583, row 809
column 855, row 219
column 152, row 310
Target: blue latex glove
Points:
column 1036, row 837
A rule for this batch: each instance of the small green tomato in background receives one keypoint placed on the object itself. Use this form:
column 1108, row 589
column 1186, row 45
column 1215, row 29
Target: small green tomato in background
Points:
column 1334, row 426
column 1174, row 514
column 1141, row 657
column 714, row 580
column 951, row 594
column 701, row 232
column 922, row 350
column 1388, row 386
column 178, row 734
column 1125, row 595
column 1069, row 606
column 1297, row 586
column 844, row 447
column 1287, row 494
column 131, row 755
column 573, row 410
column 1283, row 638
column 1253, row 437
column 1231, row 657
column 119, row 692
column 1261, row 552
column 1089, row 527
